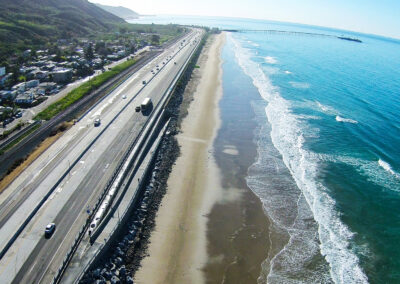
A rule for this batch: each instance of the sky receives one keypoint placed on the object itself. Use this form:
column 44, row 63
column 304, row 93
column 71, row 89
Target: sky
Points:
column 381, row 17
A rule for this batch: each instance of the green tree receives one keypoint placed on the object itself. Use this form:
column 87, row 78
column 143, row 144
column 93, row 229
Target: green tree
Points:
column 155, row 39
column 89, row 55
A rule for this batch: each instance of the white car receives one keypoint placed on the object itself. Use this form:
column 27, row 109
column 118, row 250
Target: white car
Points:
column 97, row 122
column 50, row 228
column 124, row 97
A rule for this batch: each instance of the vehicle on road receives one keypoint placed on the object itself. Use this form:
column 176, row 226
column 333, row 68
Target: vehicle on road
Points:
column 145, row 104
column 124, row 97
column 144, row 82
column 97, row 122
column 50, row 228
column 137, row 109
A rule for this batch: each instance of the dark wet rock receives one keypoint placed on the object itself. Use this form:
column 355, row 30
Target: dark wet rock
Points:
column 122, row 271
column 96, row 273
column 106, row 274
column 115, row 280
column 129, row 280
column 118, row 261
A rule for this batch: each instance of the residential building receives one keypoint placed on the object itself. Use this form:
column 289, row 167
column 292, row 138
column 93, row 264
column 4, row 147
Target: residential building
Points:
column 48, row 87
column 32, row 84
column 24, row 99
column 62, row 75
column 21, row 87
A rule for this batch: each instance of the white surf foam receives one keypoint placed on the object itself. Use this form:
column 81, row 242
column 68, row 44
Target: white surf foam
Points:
column 327, row 109
column 388, row 168
column 270, row 60
column 300, row 85
column 377, row 172
column 348, row 120
column 287, row 137
column 287, row 72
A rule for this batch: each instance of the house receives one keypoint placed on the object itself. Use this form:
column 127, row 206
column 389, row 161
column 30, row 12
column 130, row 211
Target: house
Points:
column 8, row 95
column 27, row 53
column 4, row 78
column 62, row 75
column 121, row 53
column 112, row 57
column 24, row 99
column 73, row 58
column 48, row 87
column 97, row 62
column 50, row 65
column 32, row 84
column 38, row 74
column 2, row 71
column 19, row 87
column 39, row 63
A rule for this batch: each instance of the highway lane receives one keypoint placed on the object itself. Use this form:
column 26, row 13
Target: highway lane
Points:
column 20, row 191
column 88, row 188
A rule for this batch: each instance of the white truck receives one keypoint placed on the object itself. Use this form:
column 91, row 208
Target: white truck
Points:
column 145, row 104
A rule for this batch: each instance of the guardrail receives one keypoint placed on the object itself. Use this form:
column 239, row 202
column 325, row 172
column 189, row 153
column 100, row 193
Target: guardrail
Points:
column 158, row 113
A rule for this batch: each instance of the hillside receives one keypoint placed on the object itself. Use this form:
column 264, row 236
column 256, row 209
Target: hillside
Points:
column 32, row 22
column 120, row 11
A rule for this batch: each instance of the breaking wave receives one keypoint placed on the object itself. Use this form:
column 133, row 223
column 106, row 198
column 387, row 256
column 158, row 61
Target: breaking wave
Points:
column 287, row 135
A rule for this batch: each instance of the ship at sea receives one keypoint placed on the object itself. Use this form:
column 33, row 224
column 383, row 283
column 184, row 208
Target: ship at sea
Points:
column 349, row 38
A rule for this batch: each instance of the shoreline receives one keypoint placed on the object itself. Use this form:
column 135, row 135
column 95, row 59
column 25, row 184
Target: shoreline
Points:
column 178, row 245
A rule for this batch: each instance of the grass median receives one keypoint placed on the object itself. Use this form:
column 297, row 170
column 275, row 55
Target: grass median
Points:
column 84, row 89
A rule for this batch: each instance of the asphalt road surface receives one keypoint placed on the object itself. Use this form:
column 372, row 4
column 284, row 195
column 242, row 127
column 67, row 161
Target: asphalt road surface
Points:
column 88, row 155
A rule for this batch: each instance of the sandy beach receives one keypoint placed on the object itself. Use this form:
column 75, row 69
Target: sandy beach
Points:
column 178, row 245
column 210, row 227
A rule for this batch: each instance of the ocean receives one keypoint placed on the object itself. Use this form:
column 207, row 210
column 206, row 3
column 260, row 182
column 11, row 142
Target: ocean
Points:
column 328, row 136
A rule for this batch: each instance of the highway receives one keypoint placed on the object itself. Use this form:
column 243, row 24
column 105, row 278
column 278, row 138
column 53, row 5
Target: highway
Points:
column 76, row 169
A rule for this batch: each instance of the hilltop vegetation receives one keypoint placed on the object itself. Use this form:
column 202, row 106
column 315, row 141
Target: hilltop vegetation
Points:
column 36, row 24
column 121, row 12
column 24, row 23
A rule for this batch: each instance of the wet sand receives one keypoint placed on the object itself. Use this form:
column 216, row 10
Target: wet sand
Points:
column 177, row 250
column 210, row 227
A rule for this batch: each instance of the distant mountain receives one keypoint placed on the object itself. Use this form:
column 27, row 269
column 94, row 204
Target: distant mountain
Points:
column 120, row 11
column 33, row 22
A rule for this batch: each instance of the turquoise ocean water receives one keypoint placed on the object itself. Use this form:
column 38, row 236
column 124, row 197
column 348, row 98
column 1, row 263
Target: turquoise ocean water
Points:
column 328, row 142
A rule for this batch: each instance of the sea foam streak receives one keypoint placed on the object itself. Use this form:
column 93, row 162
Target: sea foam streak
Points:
column 300, row 85
column 348, row 120
column 287, row 137
column 270, row 60
column 388, row 168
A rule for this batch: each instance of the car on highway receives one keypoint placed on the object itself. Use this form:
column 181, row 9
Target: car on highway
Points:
column 124, row 97
column 50, row 228
column 137, row 109
column 144, row 82
column 97, row 122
